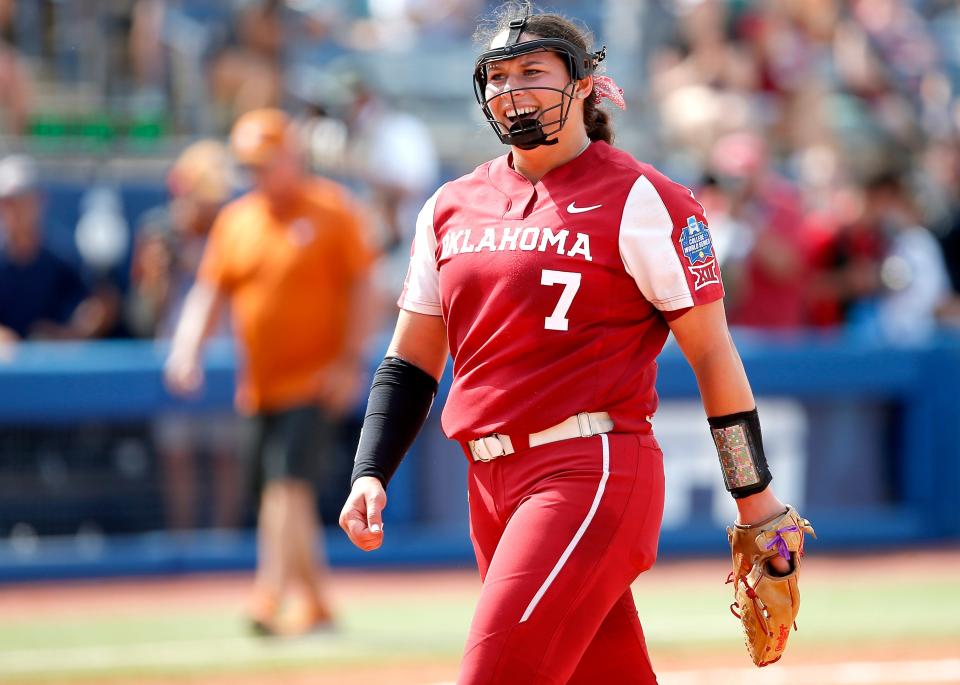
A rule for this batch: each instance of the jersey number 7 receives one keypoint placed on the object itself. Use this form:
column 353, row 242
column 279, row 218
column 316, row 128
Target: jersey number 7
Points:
column 571, row 284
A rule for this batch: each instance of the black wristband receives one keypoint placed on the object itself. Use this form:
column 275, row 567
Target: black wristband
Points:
column 740, row 449
column 400, row 399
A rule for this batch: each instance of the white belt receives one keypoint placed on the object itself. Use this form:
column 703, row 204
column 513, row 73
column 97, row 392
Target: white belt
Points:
column 582, row 425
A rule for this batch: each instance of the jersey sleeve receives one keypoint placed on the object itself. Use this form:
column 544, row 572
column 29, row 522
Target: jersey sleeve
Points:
column 421, row 288
column 666, row 247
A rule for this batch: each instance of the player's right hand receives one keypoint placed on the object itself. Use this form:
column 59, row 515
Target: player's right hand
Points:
column 183, row 374
column 362, row 514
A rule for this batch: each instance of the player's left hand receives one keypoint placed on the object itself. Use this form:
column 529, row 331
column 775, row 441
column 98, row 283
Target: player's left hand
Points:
column 758, row 508
column 766, row 599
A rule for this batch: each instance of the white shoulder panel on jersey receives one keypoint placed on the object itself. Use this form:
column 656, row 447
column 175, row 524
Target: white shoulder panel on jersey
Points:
column 421, row 289
column 647, row 249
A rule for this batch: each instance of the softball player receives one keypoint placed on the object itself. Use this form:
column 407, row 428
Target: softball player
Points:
column 553, row 275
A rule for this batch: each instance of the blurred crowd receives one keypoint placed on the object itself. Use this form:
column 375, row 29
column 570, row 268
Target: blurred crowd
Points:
column 826, row 139
column 823, row 138
column 205, row 63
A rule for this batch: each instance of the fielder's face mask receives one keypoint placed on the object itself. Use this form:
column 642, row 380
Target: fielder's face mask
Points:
column 527, row 133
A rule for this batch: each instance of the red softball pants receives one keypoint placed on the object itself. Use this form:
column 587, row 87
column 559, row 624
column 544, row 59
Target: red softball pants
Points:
column 560, row 532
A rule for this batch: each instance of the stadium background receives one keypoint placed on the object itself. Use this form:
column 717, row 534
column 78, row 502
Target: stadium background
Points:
column 812, row 106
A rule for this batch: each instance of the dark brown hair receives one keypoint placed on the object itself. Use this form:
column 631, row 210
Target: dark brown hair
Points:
column 546, row 25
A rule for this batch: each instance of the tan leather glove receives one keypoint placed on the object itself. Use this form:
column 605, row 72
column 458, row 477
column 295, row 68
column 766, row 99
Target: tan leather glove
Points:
column 765, row 603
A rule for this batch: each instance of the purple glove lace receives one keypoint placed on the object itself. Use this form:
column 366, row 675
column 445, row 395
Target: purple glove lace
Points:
column 780, row 543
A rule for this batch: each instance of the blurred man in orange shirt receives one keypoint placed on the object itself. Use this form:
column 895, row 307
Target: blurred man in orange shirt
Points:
column 291, row 259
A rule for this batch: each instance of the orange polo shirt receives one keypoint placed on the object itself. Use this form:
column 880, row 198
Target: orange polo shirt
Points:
column 287, row 272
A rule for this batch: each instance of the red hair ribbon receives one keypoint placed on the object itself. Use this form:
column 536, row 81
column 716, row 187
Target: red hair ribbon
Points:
column 605, row 87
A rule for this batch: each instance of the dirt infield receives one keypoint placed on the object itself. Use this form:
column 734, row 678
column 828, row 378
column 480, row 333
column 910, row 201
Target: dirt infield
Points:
column 214, row 591
column 880, row 655
column 170, row 594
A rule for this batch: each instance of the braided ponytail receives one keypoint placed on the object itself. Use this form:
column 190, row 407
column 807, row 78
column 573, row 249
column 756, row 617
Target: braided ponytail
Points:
column 597, row 121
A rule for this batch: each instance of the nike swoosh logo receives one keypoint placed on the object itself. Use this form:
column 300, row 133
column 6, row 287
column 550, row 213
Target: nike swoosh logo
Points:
column 573, row 209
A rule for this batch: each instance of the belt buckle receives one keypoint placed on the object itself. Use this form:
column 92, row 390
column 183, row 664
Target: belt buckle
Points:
column 488, row 454
column 583, row 418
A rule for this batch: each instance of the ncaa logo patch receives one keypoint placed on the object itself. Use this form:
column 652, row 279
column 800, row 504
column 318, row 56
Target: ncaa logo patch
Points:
column 697, row 247
column 695, row 241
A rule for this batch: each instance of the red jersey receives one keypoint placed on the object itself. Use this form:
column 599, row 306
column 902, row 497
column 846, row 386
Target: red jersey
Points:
column 555, row 294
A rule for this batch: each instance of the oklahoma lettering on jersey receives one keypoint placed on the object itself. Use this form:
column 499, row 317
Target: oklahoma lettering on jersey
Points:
column 526, row 239
column 555, row 295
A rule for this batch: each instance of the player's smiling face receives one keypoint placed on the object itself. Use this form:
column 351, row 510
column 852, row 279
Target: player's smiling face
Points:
column 517, row 87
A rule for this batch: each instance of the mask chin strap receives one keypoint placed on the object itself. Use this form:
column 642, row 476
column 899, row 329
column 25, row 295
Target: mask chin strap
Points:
column 528, row 134
column 525, row 134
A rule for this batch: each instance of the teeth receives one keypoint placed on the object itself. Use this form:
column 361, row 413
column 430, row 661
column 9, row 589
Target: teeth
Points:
column 520, row 111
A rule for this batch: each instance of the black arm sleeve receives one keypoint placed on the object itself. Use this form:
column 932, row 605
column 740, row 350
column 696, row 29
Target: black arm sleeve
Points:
column 400, row 398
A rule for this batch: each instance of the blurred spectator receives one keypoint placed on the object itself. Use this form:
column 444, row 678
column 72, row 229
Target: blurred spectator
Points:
column 941, row 205
column 146, row 51
column 247, row 73
column 393, row 152
column 848, row 250
column 102, row 235
column 170, row 242
column 900, row 38
column 291, row 259
column 881, row 273
column 216, row 60
column 41, row 294
column 403, row 24
column 832, row 228
column 170, row 239
column 167, row 47
column 15, row 90
column 767, row 288
column 831, row 93
column 390, row 155
column 913, row 274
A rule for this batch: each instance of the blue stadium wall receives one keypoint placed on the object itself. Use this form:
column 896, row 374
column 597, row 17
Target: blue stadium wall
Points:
column 876, row 455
